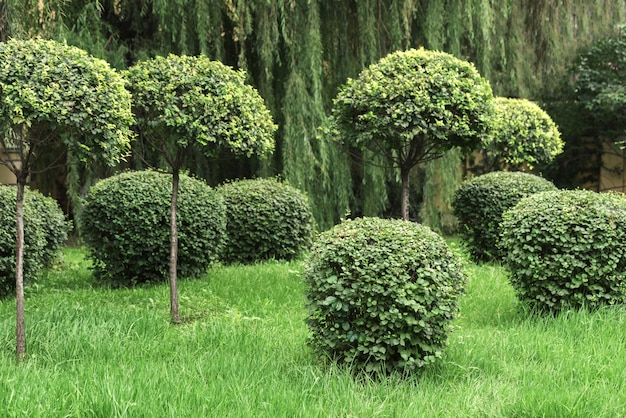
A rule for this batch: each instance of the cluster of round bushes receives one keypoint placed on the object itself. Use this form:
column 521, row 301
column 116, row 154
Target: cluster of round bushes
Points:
column 563, row 248
column 125, row 225
column 45, row 231
column 480, row 202
column 381, row 294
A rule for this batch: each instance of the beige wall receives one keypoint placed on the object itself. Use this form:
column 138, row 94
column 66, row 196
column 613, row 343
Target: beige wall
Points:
column 613, row 170
column 6, row 175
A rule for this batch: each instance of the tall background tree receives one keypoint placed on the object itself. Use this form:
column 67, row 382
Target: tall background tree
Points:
column 297, row 54
column 52, row 97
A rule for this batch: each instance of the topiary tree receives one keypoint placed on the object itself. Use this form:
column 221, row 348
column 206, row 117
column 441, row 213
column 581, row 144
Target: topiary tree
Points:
column 523, row 137
column 480, row 202
column 54, row 94
column 411, row 107
column 125, row 225
column 567, row 249
column 45, row 231
column 381, row 294
column 266, row 219
column 191, row 104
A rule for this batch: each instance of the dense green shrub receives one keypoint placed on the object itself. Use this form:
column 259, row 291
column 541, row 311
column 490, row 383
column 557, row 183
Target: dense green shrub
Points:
column 567, row 249
column 381, row 294
column 45, row 231
column 480, row 202
column 266, row 219
column 125, row 225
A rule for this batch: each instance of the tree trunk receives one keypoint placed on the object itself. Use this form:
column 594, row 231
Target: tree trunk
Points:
column 20, row 332
column 404, row 203
column 174, row 250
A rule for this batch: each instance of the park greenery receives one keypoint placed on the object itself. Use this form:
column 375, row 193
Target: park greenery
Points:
column 381, row 294
column 125, row 225
column 567, row 249
column 333, row 302
column 45, row 233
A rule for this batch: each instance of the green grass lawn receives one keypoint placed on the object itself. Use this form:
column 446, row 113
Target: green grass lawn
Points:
column 95, row 352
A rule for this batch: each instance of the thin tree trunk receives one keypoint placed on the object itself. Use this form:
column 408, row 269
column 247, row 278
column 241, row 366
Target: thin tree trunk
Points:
column 404, row 204
column 20, row 332
column 174, row 250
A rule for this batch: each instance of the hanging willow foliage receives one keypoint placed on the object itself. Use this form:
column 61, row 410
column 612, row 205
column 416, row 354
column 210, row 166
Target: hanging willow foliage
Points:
column 298, row 52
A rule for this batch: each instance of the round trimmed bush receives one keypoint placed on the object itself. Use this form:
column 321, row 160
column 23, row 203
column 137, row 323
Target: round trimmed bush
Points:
column 125, row 224
column 567, row 249
column 480, row 202
column 381, row 294
column 45, row 231
column 266, row 219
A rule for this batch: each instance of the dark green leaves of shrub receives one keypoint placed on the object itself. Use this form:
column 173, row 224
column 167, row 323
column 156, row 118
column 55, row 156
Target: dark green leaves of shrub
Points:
column 567, row 249
column 267, row 219
column 125, row 224
column 45, row 231
column 480, row 202
column 381, row 294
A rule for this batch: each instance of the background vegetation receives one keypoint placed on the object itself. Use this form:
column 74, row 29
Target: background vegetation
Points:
column 298, row 53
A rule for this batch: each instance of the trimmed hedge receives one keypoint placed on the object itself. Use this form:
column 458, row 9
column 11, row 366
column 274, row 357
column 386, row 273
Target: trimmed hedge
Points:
column 480, row 202
column 45, row 232
column 266, row 219
column 567, row 249
column 125, row 225
column 381, row 294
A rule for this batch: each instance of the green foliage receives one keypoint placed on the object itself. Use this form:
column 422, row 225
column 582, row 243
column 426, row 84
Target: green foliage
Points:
column 51, row 90
column 411, row 107
column 184, row 101
column 266, row 219
column 523, row 137
column 414, row 105
column 601, row 82
column 381, row 294
column 45, row 232
column 125, row 224
column 567, row 249
column 480, row 202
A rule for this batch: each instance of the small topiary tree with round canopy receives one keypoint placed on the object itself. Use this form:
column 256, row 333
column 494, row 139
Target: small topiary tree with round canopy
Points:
column 381, row 294
column 187, row 104
column 54, row 94
column 523, row 137
column 411, row 107
column 567, row 249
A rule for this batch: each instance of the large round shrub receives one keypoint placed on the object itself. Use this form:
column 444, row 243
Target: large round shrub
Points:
column 480, row 202
column 266, row 219
column 567, row 249
column 125, row 224
column 45, row 231
column 381, row 294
